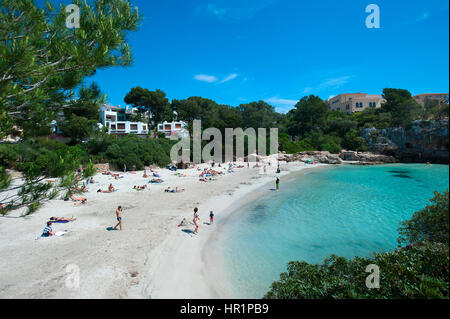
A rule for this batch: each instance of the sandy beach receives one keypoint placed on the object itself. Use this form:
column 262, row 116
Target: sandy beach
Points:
column 150, row 258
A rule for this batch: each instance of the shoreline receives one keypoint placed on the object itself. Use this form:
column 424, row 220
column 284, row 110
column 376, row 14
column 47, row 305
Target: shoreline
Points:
column 199, row 272
column 151, row 257
column 120, row 264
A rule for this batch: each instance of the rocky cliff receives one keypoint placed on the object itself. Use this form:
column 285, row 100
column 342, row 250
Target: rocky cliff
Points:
column 324, row 157
column 420, row 142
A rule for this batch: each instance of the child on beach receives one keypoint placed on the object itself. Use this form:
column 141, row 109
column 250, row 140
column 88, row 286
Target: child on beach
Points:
column 119, row 217
column 211, row 218
column 196, row 220
column 278, row 184
column 48, row 231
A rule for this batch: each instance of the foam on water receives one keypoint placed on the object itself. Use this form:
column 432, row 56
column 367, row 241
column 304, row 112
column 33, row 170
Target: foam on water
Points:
column 347, row 211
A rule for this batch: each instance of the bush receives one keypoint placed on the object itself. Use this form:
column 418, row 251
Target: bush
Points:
column 429, row 224
column 419, row 270
column 131, row 151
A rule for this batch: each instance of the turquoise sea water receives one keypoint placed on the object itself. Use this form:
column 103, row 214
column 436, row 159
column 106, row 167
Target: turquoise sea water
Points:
column 347, row 211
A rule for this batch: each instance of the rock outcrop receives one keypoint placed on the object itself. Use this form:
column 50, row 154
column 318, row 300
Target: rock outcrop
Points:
column 421, row 142
column 313, row 156
column 366, row 157
column 362, row 158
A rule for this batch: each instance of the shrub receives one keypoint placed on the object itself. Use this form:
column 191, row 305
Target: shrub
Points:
column 429, row 224
column 419, row 270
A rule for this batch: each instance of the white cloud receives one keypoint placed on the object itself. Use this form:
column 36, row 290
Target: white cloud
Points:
column 282, row 103
column 307, row 90
column 205, row 78
column 424, row 16
column 335, row 82
column 211, row 8
column 233, row 10
column 230, row 77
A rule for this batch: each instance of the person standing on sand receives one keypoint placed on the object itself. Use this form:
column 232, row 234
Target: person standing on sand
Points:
column 119, row 217
column 196, row 220
column 211, row 218
column 277, row 183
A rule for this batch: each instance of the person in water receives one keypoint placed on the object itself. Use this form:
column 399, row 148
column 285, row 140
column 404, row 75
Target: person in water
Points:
column 119, row 217
column 277, row 183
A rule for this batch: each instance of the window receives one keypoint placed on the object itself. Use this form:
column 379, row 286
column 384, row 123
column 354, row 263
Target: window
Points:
column 113, row 127
column 121, row 126
column 177, row 126
column 348, row 107
column 167, row 127
column 133, row 127
column 144, row 127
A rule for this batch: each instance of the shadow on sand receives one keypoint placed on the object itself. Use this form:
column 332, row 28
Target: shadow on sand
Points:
column 111, row 229
column 188, row 231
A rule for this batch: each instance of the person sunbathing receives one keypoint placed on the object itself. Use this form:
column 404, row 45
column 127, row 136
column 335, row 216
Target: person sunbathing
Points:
column 156, row 174
column 145, row 174
column 156, row 180
column 174, row 190
column 111, row 189
column 139, row 188
column 82, row 189
column 61, row 219
column 83, row 200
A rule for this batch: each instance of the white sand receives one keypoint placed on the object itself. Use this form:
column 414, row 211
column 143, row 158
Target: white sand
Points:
column 150, row 258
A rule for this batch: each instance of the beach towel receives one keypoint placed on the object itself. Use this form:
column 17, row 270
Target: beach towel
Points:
column 60, row 222
column 57, row 234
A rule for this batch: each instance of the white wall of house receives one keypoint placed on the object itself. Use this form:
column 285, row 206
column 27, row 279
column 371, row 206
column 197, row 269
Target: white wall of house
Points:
column 109, row 119
column 176, row 128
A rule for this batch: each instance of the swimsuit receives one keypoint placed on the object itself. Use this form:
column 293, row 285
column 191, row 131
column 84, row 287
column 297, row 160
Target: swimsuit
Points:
column 119, row 218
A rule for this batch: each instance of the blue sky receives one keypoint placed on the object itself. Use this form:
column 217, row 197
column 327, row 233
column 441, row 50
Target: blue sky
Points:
column 238, row 51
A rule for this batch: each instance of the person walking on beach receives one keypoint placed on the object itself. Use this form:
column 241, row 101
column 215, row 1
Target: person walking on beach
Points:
column 211, row 218
column 196, row 220
column 119, row 217
column 277, row 183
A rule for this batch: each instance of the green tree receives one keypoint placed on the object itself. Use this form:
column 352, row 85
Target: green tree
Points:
column 429, row 224
column 154, row 103
column 43, row 62
column 42, row 65
column 401, row 105
column 310, row 114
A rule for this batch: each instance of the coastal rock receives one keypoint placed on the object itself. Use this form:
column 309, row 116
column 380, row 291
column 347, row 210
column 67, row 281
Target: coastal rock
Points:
column 366, row 157
column 421, row 141
column 318, row 157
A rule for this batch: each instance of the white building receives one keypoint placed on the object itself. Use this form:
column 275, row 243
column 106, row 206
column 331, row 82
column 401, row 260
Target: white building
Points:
column 114, row 118
column 175, row 129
